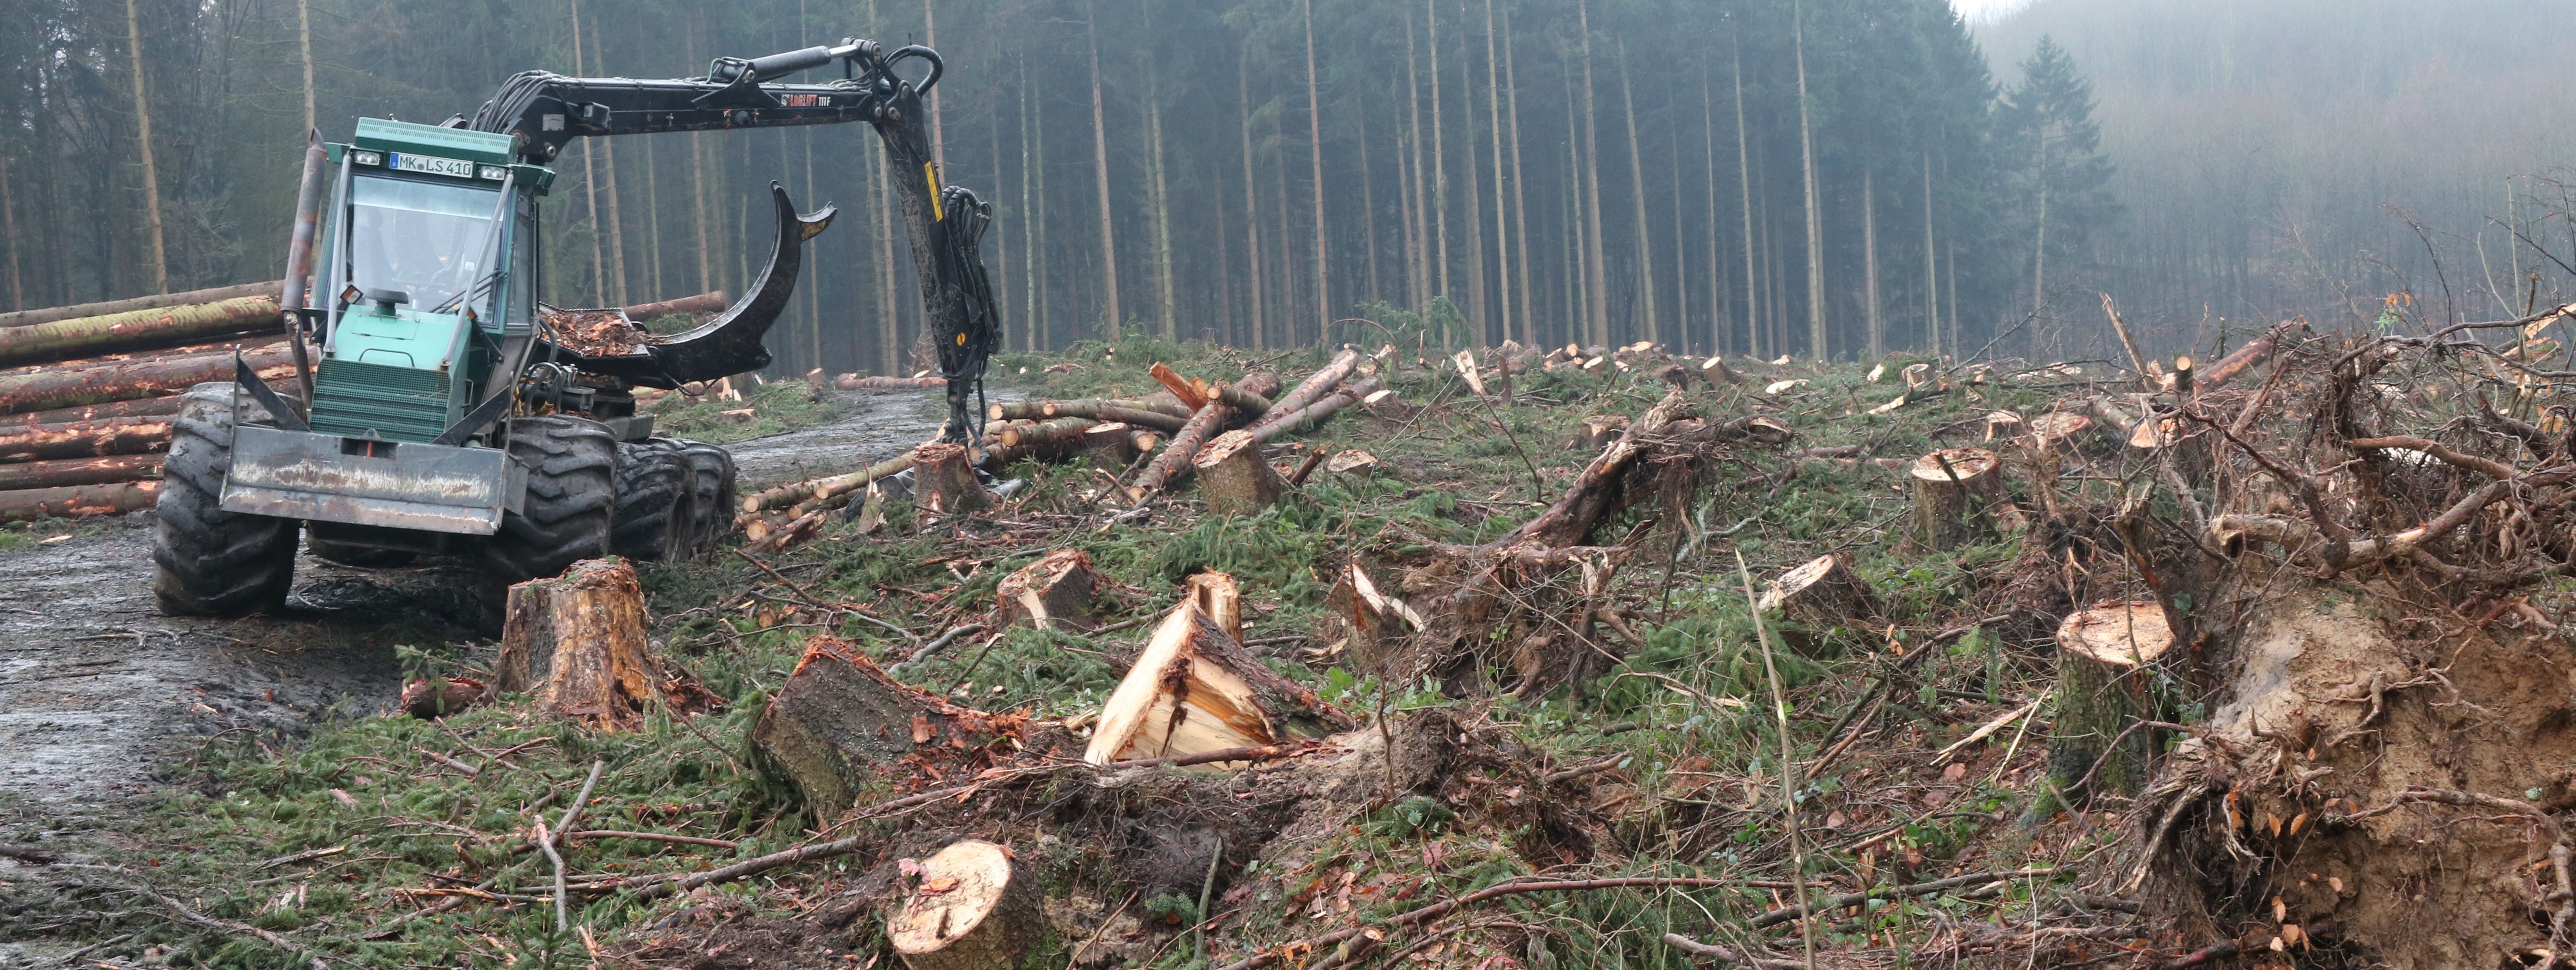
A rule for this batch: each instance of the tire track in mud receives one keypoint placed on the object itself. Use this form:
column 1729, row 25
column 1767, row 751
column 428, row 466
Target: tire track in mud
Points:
column 103, row 698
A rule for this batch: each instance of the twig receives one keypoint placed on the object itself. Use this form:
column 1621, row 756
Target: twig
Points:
column 1425, row 914
column 942, row 640
column 1787, row 913
column 1205, row 888
column 1788, row 759
column 649, row 837
column 304, row 856
column 312, row 958
column 2212, row 953
column 1726, row 954
column 573, row 811
column 469, row 770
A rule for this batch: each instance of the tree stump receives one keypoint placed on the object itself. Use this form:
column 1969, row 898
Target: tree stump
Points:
column 1376, row 620
column 576, row 642
column 1195, row 689
column 2066, row 430
column 1598, row 431
column 1233, row 476
column 944, row 481
column 1111, row 447
column 840, row 728
column 1822, row 594
column 2102, row 691
column 1955, row 490
column 1053, row 592
column 429, row 698
column 972, row 910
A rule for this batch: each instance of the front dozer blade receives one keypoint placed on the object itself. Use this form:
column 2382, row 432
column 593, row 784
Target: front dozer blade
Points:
column 731, row 343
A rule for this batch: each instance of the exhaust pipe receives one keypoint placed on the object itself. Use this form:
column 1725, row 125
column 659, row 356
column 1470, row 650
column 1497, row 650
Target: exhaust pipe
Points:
column 299, row 254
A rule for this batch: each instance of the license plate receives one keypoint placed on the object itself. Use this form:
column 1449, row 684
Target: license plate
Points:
column 432, row 164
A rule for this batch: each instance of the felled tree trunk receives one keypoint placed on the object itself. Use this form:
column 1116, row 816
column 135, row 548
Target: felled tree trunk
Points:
column 1234, row 478
column 1194, row 689
column 1108, row 411
column 1290, row 420
column 2102, row 691
column 1054, row 591
column 576, row 642
column 40, row 390
column 133, row 408
column 83, row 439
column 972, row 909
column 136, row 329
column 2066, row 430
column 77, row 501
column 1599, row 488
column 1822, row 594
column 710, row 302
column 1953, row 490
column 67, row 472
column 944, row 482
column 1167, row 469
column 21, row 318
column 840, row 728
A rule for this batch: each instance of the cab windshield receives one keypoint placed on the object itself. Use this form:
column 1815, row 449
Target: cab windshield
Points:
column 428, row 239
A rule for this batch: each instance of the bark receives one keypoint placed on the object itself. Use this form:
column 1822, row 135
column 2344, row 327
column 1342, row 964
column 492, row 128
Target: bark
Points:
column 1234, row 478
column 1931, row 268
column 1502, row 225
column 2102, row 692
column 590, row 179
column 1744, row 177
column 1596, row 270
column 709, row 302
column 1325, row 379
column 1720, row 303
column 1291, row 420
column 42, row 390
column 1035, row 326
column 77, row 501
column 1439, row 158
column 853, row 382
column 67, row 472
column 2244, row 358
column 136, row 330
column 1598, row 489
column 1054, row 591
column 974, row 908
column 1956, row 490
column 1194, row 689
column 1823, row 594
column 159, row 301
column 85, row 439
column 1817, row 343
column 1637, row 192
column 945, row 483
column 840, row 729
column 1061, row 431
column 1598, row 431
column 9, row 236
column 829, row 492
column 1099, row 410
column 1251, row 204
column 1315, row 151
column 1480, row 333
column 1114, row 320
column 1869, row 261
column 134, row 408
column 576, row 642
column 144, row 146
column 246, row 342
column 1158, row 403
column 1520, row 202
column 1170, row 467
column 1161, row 199
column 1417, row 224
column 428, row 698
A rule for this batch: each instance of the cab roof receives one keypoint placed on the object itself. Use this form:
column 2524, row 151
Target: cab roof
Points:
column 402, row 136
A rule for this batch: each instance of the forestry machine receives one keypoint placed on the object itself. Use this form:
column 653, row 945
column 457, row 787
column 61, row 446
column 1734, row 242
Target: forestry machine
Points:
column 444, row 411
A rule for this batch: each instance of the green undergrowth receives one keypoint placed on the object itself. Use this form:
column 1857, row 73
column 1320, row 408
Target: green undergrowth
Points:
column 1685, row 719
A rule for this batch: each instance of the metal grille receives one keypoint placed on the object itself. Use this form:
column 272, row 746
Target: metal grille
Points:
column 352, row 399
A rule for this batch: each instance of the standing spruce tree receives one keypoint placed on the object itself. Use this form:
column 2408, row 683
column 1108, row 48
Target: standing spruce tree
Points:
column 2048, row 124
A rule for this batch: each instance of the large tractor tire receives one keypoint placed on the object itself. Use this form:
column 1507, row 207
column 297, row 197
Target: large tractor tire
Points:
column 713, row 479
column 572, row 489
column 206, row 561
column 656, row 516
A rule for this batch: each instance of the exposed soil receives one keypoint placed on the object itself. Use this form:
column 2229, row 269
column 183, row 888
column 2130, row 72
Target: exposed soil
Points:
column 101, row 696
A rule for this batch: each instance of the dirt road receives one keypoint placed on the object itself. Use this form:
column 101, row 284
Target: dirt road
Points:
column 102, row 697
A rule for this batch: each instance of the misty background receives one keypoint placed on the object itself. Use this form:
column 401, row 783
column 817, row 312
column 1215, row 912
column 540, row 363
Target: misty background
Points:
column 1836, row 177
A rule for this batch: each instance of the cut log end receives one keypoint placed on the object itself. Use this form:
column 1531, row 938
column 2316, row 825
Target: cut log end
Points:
column 1053, row 591
column 1823, row 593
column 2118, row 634
column 945, row 481
column 577, row 643
column 971, row 909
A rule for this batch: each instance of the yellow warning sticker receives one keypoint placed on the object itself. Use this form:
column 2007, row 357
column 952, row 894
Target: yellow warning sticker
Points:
column 931, row 175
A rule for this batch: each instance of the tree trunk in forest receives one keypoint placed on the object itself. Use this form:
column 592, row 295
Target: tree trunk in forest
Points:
column 144, row 147
column 938, row 135
column 839, row 727
column 1817, row 344
column 1931, row 268
column 1368, row 208
column 1315, row 151
column 1578, row 275
column 1520, row 203
column 1721, row 303
column 616, row 209
column 1502, row 219
column 698, row 208
column 1417, row 211
column 304, row 42
column 1637, row 191
column 1031, row 325
column 1257, row 294
column 1744, row 173
column 652, row 220
column 577, row 643
column 974, row 908
column 1234, row 478
column 1869, row 260
column 2103, row 653
column 1113, row 316
column 590, row 183
column 1161, row 199
column 2039, row 245
column 1439, row 162
column 9, row 235
column 1596, row 268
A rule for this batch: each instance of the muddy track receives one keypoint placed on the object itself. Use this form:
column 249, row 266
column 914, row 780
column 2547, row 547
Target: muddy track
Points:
column 102, row 697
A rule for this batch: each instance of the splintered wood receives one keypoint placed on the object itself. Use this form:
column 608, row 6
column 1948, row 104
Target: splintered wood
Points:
column 1195, row 689
column 577, row 643
column 971, row 908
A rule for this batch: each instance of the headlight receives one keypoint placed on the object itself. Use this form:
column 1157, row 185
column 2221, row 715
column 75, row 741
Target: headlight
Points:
column 367, row 158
